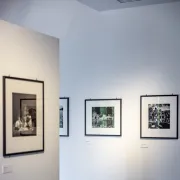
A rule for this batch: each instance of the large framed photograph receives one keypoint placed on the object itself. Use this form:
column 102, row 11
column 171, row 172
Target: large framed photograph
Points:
column 64, row 116
column 159, row 116
column 23, row 115
column 103, row 117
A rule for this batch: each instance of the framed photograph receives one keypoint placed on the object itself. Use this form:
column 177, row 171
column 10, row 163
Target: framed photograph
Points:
column 23, row 115
column 159, row 116
column 103, row 117
column 64, row 116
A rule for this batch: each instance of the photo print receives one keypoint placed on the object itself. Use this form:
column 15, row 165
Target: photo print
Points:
column 64, row 116
column 61, row 117
column 159, row 116
column 24, row 115
column 103, row 117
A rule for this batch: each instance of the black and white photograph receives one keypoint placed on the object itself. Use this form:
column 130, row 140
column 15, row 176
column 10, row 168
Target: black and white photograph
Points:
column 103, row 117
column 23, row 116
column 61, row 117
column 159, row 116
column 64, row 116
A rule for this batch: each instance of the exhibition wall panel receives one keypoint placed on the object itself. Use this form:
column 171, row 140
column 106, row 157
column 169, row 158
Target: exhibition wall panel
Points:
column 31, row 55
column 120, row 54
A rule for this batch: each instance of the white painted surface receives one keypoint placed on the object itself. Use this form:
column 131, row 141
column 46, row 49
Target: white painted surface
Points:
column 124, row 53
column 106, row 5
column 27, row 54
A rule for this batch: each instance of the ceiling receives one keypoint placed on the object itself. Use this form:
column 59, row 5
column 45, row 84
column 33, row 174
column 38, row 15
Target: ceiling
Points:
column 105, row 5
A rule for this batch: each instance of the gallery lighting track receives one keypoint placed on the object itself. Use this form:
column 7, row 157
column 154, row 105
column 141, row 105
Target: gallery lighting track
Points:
column 127, row 1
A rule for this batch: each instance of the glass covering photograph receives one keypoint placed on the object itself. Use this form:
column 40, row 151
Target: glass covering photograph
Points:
column 103, row 117
column 159, row 116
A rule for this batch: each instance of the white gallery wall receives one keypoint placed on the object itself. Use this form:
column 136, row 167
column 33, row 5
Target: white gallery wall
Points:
column 31, row 55
column 123, row 53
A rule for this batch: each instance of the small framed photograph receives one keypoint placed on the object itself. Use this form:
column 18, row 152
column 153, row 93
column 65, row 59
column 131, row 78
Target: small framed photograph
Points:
column 23, row 127
column 159, row 116
column 64, row 116
column 103, row 117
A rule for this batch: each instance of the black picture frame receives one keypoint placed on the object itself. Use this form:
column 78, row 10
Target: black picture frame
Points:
column 120, row 115
column 40, row 150
column 67, row 115
column 177, row 116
